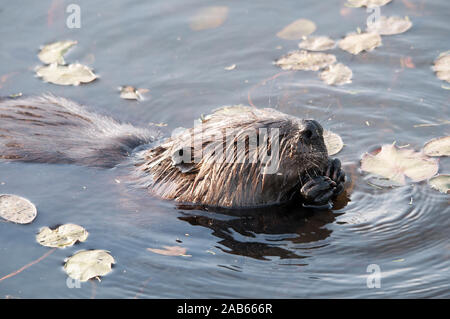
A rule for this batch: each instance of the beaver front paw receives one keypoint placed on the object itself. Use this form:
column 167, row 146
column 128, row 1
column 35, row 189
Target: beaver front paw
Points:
column 336, row 174
column 319, row 190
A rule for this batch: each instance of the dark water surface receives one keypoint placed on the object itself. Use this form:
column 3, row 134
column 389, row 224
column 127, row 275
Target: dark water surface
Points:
column 273, row 254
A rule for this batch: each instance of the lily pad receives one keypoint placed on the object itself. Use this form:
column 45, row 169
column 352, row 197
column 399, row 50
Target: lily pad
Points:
column 358, row 42
column 442, row 66
column 53, row 53
column 333, row 142
column 394, row 164
column 73, row 74
column 17, row 209
column 337, row 74
column 438, row 147
column 440, row 183
column 297, row 29
column 88, row 264
column 169, row 251
column 303, row 60
column 63, row 236
column 390, row 25
column 317, row 44
column 367, row 3
column 209, row 18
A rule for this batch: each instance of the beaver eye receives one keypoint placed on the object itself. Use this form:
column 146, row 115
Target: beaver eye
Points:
column 308, row 134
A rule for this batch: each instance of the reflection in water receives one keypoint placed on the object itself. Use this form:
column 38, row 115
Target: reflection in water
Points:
column 259, row 233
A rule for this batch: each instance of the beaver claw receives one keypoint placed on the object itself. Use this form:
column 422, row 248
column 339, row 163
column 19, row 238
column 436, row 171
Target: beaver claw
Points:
column 321, row 189
column 318, row 190
column 336, row 174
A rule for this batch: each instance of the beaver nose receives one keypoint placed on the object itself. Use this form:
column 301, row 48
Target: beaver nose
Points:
column 312, row 129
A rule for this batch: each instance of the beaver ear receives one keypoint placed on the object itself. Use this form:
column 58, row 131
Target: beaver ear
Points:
column 182, row 159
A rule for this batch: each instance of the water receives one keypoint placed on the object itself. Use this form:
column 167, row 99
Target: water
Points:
column 274, row 254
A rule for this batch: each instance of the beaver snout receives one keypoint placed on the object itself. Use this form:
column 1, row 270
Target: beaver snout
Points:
column 312, row 130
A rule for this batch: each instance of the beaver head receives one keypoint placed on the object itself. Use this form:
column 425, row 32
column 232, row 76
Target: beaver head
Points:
column 236, row 157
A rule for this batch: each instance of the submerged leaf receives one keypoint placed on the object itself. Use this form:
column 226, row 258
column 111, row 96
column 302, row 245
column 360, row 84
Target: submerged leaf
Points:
column 442, row 66
column 440, row 183
column 73, row 74
column 317, row 43
column 367, row 3
column 129, row 93
column 88, row 264
column 17, row 209
column 337, row 74
column 209, row 18
column 358, row 42
column 438, row 147
column 297, row 29
column 63, row 236
column 333, row 142
column 53, row 53
column 395, row 164
column 303, row 60
column 390, row 25
column 169, row 251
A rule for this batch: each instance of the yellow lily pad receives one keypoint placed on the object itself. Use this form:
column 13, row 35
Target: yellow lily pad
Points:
column 442, row 66
column 321, row 43
column 438, row 147
column 63, row 236
column 337, row 74
column 53, row 53
column 17, row 209
column 333, row 142
column 303, row 60
column 297, row 29
column 73, row 74
column 440, row 183
column 390, row 25
column 209, row 18
column 394, row 164
column 88, row 264
column 367, row 3
column 358, row 42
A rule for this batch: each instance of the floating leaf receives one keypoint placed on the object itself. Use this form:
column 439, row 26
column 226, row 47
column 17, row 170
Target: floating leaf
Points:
column 303, row 60
column 390, row 25
column 317, row 43
column 73, row 74
column 358, row 42
column 88, row 264
column 333, row 142
column 230, row 68
column 53, row 53
column 337, row 74
column 17, row 209
column 440, row 183
column 395, row 164
column 297, row 29
column 169, row 251
column 367, row 3
column 442, row 66
column 209, row 18
column 63, row 236
column 438, row 147
column 130, row 93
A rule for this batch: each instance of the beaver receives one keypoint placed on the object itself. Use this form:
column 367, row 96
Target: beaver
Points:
column 237, row 157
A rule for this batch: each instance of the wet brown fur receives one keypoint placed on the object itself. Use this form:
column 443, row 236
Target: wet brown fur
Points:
column 50, row 129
